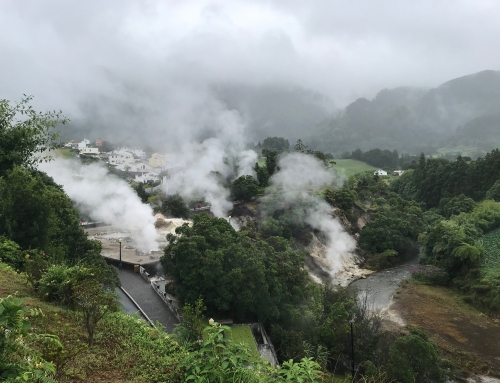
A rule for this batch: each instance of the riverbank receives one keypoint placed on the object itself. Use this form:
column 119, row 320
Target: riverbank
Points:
column 464, row 335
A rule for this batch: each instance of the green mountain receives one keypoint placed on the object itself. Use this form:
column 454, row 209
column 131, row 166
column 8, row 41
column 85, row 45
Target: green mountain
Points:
column 457, row 112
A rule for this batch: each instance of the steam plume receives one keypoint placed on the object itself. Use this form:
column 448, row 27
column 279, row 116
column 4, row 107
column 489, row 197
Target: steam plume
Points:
column 300, row 175
column 214, row 162
column 105, row 197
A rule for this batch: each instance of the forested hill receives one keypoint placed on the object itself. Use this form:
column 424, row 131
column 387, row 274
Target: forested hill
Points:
column 414, row 120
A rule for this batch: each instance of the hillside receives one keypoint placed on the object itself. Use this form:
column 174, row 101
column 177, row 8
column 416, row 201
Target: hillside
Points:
column 413, row 120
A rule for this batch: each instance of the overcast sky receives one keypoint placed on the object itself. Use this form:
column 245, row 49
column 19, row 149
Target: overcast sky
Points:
column 68, row 52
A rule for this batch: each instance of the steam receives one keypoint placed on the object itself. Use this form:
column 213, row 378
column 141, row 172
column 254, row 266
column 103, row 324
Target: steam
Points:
column 105, row 197
column 299, row 176
column 214, row 162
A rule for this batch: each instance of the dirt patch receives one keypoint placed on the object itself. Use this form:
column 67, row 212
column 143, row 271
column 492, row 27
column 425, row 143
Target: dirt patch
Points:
column 464, row 335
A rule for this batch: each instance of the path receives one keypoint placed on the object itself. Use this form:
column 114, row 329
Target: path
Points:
column 146, row 297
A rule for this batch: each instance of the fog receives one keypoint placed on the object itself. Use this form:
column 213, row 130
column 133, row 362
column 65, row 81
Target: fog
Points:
column 204, row 80
column 141, row 70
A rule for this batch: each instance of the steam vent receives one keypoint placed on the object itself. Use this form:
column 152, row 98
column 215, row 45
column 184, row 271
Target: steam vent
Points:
column 109, row 237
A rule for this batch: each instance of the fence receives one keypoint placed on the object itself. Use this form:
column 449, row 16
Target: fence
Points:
column 155, row 284
column 266, row 349
column 144, row 274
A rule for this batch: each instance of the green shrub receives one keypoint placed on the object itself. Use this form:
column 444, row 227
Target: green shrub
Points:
column 59, row 282
column 11, row 254
column 414, row 358
column 430, row 275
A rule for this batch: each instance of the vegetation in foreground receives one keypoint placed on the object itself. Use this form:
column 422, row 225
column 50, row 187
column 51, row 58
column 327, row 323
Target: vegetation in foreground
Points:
column 43, row 241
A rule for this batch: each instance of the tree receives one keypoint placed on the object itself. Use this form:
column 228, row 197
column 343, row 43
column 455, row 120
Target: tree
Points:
column 25, row 132
column 457, row 205
column 233, row 274
column 278, row 144
column 300, row 147
column 262, row 175
column 271, row 160
column 10, row 253
column 141, row 191
column 244, row 188
column 343, row 198
column 36, row 213
column 395, row 226
column 270, row 227
column 494, row 192
column 192, row 322
column 94, row 304
column 414, row 358
column 175, row 206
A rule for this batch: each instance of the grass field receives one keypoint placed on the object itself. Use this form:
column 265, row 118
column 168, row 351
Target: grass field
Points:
column 460, row 149
column 346, row 168
column 243, row 334
column 491, row 244
column 66, row 153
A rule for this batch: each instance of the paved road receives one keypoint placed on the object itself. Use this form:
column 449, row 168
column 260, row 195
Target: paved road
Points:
column 126, row 305
column 146, row 297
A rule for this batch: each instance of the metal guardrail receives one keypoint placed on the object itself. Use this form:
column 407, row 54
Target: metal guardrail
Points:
column 164, row 296
column 144, row 274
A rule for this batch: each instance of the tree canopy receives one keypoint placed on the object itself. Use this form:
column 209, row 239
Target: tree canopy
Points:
column 244, row 188
column 175, row 206
column 231, row 273
column 25, row 132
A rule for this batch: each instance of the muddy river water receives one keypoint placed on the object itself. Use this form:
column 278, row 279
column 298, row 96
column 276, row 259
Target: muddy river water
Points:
column 380, row 286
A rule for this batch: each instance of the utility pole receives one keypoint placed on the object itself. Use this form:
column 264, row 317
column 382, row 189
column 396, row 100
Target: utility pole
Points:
column 120, row 264
column 352, row 347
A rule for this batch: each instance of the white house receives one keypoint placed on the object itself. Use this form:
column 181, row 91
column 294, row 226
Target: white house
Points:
column 138, row 153
column 147, row 177
column 120, row 157
column 89, row 151
column 397, row 172
column 137, row 167
column 380, row 172
column 83, row 144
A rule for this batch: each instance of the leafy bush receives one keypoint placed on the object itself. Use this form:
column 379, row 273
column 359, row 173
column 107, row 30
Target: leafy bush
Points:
column 244, row 188
column 343, row 198
column 219, row 359
column 10, row 253
column 430, row 275
column 414, row 358
column 59, row 283
column 175, row 206
column 19, row 362
column 270, row 227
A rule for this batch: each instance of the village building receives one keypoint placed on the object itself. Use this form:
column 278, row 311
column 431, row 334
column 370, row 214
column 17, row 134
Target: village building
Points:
column 120, row 157
column 137, row 167
column 100, row 141
column 89, row 151
column 157, row 161
column 397, row 172
column 82, row 144
column 147, row 177
column 380, row 172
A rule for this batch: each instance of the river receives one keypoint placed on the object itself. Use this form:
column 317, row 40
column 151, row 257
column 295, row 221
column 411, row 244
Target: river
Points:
column 381, row 285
